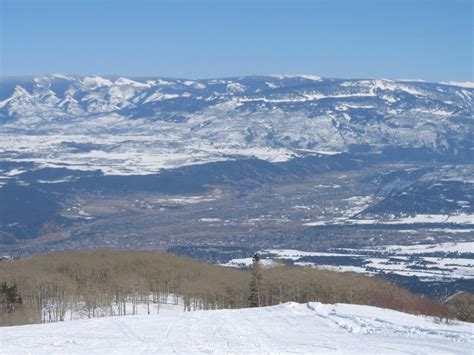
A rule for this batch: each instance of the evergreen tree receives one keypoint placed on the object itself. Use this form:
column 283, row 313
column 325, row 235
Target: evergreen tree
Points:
column 255, row 282
column 9, row 297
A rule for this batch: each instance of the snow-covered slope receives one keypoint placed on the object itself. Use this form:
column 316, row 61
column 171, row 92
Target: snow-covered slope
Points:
column 138, row 126
column 288, row 328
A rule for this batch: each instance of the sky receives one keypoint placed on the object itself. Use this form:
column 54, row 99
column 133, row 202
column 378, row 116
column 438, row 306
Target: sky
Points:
column 396, row 39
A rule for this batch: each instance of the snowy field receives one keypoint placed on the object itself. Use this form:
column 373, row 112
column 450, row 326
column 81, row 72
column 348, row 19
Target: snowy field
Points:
column 461, row 218
column 426, row 261
column 288, row 328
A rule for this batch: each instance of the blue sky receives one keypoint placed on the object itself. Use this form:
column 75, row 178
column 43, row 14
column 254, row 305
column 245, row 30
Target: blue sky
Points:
column 429, row 40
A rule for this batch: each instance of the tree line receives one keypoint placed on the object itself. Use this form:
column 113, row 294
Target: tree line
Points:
column 48, row 287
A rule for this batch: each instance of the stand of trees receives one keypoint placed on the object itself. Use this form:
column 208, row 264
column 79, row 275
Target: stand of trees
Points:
column 108, row 282
column 462, row 305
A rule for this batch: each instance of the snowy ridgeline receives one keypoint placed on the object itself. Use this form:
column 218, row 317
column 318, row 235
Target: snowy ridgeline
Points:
column 290, row 327
column 129, row 127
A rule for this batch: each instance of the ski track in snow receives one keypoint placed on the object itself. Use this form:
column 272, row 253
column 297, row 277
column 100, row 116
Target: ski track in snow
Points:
column 287, row 328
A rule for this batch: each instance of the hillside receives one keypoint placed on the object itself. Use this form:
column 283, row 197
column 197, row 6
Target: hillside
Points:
column 218, row 169
column 139, row 126
column 290, row 327
column 93, row 284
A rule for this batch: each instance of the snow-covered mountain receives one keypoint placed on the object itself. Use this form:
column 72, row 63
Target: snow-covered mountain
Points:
column 140, row 125
column 288, row 328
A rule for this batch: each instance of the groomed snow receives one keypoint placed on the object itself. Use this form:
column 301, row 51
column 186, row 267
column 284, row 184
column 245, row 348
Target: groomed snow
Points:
column 287, row 328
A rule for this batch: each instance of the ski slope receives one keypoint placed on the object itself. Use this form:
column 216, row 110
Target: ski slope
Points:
column 287, row 328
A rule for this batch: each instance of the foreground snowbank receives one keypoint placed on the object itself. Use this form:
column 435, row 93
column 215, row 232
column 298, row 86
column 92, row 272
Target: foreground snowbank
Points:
column 291, row 327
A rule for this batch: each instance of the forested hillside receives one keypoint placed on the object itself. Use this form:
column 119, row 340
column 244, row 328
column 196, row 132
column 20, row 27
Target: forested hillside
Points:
column 47, row 287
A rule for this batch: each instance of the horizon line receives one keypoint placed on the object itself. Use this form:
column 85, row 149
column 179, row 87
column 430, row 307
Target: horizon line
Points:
column 288, row 75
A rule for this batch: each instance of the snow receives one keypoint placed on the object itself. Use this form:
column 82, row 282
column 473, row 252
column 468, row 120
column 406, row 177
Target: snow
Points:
column 61, row 76
column 301, row 207
column 292, row 76
column 210, row 219
column 465, row 84
column 434, row 112
column 461, row 218
column 236, row 88
column 126, row 81
column 346, row 116
column 130, row 120
column 14, row 172
column 297, row 254
column 169, row 304
column 287, row 328
column 158, row 96
column 194, row 84
column 185, row 200
column 310, row 77
column 312, row 96
column 317, row 223
column 66, row 179
column 247, row 262
column 461, row 247
column 426, row 261
column 96, row 81
column 272, row 85
column 451, row 268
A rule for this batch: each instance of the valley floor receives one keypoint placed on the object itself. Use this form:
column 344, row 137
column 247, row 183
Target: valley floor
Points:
column 287, row 328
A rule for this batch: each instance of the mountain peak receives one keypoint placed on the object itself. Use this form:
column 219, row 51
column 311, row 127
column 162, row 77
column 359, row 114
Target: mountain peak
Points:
column 268, row 117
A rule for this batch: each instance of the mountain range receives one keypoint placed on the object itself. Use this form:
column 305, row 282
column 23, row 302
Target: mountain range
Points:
column 219, row 169
column 139, row 126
